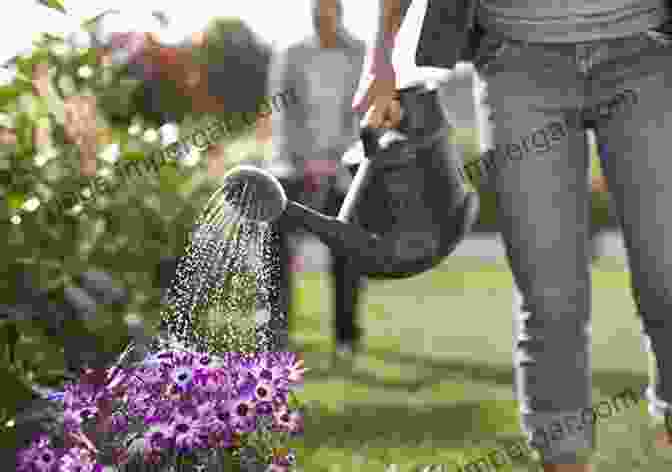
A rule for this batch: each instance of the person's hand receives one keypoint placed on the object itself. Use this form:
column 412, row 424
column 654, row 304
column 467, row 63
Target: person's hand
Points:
column 381, row 103
column 377, row 93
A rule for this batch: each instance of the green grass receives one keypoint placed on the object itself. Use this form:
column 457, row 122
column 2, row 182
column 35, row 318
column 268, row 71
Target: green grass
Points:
column 434, row 385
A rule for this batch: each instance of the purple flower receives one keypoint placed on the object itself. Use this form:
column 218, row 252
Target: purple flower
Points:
column 214, row 381
column 156, row 439
column 264, row 409
column 186, row 431
column 78, row 460
column 146, row 375
column 293, row 363
column 216, row 419
column 39, row 457
column 186, row 400
column 183, row 377
column 287, row 421
column 243, row 414
column 119, row 423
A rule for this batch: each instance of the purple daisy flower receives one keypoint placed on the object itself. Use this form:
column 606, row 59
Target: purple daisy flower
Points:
column 216, row 381
column 216, row 419
column 78, row 460
column 119, row 423
column 157, row 440
column 183, row 377
column 146, row 375
column 264, row 409
column 186, row 431
column 264, row 392
column 292, row 362
column 287, row 421
column 243, row 413
column 39, row 457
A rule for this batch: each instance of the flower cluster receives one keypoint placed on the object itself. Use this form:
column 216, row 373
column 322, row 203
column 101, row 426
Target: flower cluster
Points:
column 180, row 403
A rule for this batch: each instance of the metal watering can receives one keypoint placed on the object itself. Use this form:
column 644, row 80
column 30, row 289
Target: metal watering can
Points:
column 407, row 207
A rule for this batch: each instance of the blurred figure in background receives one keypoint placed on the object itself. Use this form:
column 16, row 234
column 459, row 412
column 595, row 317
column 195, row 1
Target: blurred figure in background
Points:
column 603, row 218
column 308, row 140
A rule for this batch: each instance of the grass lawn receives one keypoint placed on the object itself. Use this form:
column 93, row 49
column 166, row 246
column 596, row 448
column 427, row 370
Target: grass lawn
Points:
column 434, row 385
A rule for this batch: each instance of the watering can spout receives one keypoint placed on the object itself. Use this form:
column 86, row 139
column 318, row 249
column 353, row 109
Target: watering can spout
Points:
column 361, row 246
column 265, row 188
column 407, row 207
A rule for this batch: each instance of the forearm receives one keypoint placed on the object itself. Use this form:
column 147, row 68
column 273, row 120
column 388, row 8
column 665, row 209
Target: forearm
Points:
column 390, row 16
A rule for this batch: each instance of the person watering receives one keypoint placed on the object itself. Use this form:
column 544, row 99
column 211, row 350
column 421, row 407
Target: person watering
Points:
column 544, row 62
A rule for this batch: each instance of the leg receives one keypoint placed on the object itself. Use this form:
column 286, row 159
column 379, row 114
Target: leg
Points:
column 347, row 285
column 540, row 174
column 285, row 229
column 639, row 170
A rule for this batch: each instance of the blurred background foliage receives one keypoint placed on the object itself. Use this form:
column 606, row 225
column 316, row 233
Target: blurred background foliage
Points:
column 72, row 282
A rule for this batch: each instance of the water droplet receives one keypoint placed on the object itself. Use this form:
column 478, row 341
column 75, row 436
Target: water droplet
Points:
column 225, row 295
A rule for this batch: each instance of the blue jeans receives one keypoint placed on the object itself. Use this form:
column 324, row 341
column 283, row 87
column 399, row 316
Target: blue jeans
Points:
column 542, row 98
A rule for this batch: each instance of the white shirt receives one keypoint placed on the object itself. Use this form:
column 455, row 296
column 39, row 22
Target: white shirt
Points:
column 326, row 75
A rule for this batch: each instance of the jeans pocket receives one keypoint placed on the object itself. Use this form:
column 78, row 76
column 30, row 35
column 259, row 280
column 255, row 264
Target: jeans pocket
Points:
column 489, row 50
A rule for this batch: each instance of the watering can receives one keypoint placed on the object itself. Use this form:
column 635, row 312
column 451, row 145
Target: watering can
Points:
column 407, row 207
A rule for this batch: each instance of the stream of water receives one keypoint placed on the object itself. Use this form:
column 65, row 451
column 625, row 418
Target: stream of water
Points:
column 225, row 296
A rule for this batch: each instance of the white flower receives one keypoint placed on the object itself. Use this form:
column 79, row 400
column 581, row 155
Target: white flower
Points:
column 105, row 172
column 40, row 160
column 16, row 219
column 111, row 153
column 170, row 133
column 85, row 72
column 192, row 158
column 135, row 129
column 31, row 204
column 86, row 193
column 150, row 135
column 6, row 120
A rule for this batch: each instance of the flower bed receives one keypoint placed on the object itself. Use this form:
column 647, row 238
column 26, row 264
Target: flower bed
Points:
column 178, row 409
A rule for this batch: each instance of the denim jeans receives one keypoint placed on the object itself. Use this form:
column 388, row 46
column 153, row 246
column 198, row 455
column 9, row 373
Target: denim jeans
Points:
column 542, row 97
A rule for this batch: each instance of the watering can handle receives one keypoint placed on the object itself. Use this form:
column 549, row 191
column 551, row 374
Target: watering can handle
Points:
column 370, row 137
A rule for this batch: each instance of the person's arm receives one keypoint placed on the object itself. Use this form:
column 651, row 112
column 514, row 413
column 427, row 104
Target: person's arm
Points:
column 279, row 81
column 377, row 88
column 390, row 16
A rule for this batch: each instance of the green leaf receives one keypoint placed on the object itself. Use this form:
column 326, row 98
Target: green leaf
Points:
column 53, row 37
column 8, row 94
column 54, row 4
column 15, row 200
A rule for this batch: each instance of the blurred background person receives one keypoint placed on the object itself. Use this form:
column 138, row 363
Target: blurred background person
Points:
column 309, row 139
